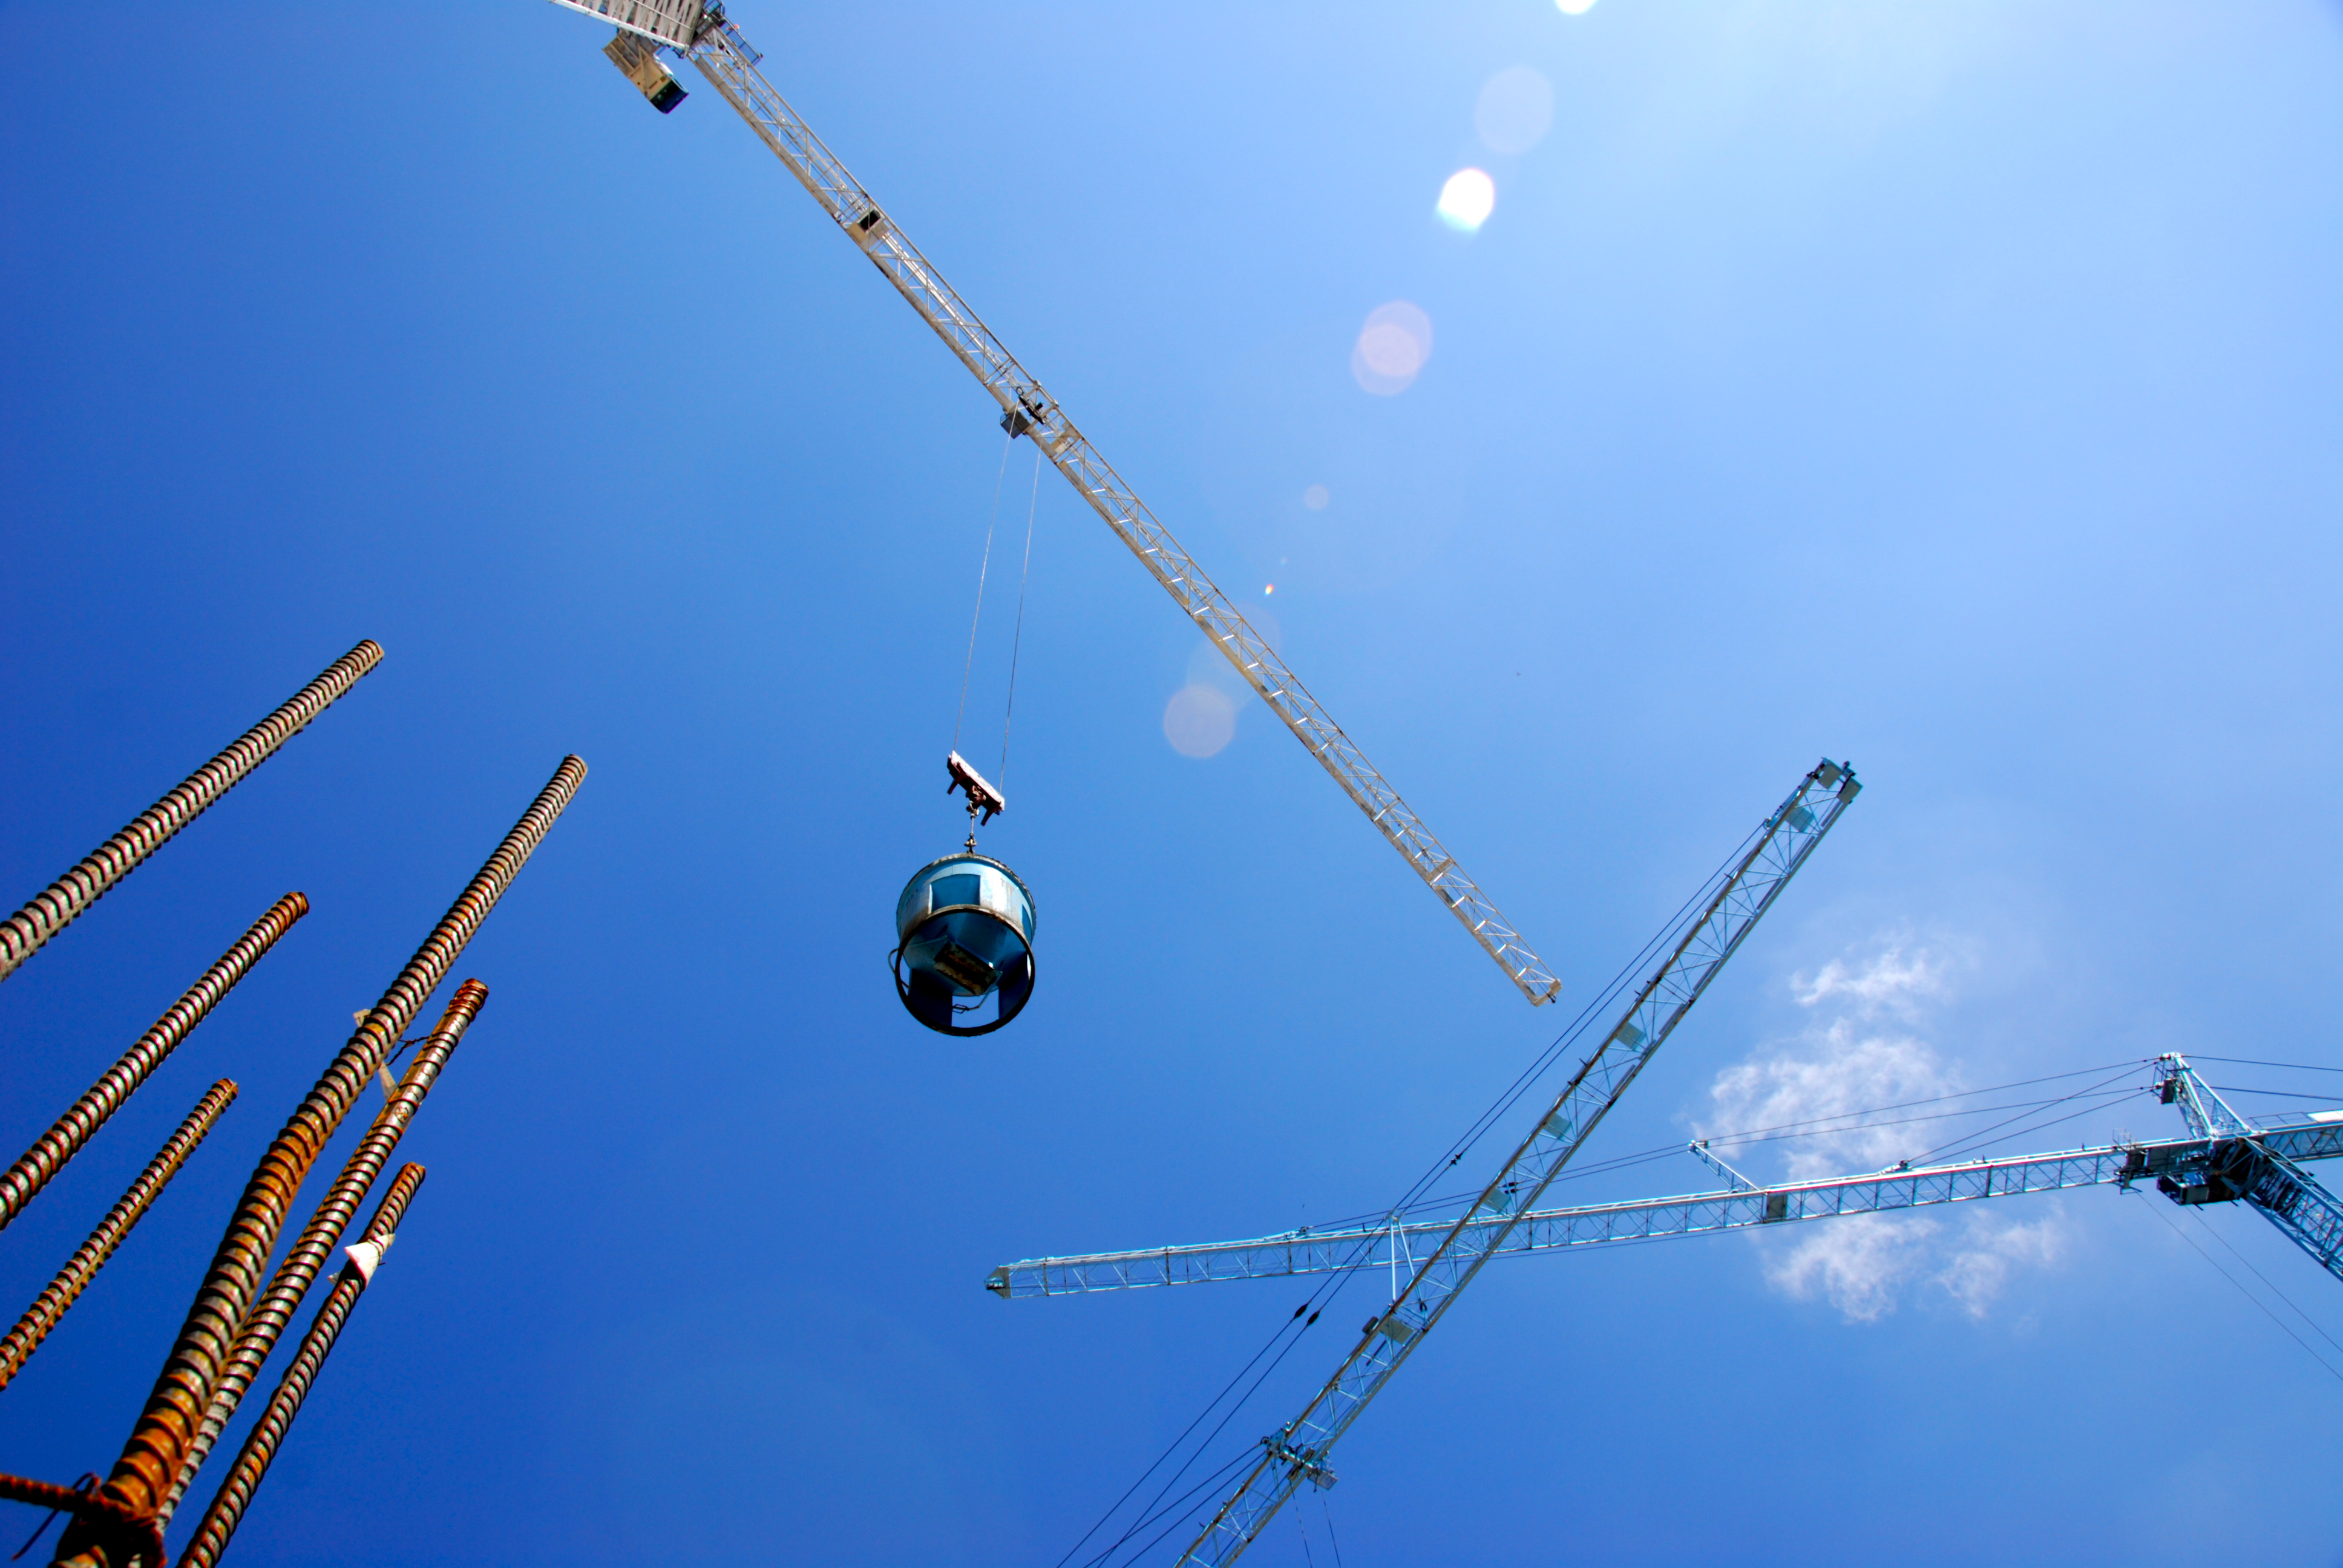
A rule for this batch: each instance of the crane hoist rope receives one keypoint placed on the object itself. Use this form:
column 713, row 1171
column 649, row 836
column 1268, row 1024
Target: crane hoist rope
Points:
column 698, row 31
column 983, row 569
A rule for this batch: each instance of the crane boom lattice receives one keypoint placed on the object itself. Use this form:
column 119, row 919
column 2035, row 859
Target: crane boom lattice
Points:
column 1298, row 1451
column 714, row 45
column 1361, row 1248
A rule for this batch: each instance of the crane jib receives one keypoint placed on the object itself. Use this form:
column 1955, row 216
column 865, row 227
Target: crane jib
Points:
column 1784, row 840
column 727, row 62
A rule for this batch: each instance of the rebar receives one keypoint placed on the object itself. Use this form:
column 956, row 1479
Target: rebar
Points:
column 60, row 1143
column 269, row 1316
column 158, row 1444
column 23, row 933
column 50, row 1305
column 243, row 1480
column 83, row 1503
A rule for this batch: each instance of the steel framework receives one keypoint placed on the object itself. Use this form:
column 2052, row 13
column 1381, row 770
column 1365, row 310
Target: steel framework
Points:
column 2257, row 1165
column 729, row 64
column 1298, row 1451
column 2179, row 1161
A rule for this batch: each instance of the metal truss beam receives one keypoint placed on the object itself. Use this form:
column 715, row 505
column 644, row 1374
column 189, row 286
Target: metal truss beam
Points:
column 729, row 63
column 1700, row 1214
column 1298, row 1451
column 675, row 23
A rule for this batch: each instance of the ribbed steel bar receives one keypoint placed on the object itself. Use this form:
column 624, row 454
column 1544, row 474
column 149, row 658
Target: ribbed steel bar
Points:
column 238, row 1487
column 266, row 1322
column 158, row 1444
column 46, row 1157
column 50, row 1305
column 729, row 63
column 23, row 932
column 83, row 1502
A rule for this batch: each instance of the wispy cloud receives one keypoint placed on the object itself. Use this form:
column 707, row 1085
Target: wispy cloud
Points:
column 1863, row 1049
column 1892, row 982
column 1863, row 1263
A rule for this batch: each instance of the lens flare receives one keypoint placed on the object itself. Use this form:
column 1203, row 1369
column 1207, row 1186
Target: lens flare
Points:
column 1199, row 721
column 1316, row 498
column 1514, row 110
column 1392, row 349
column 1467, row 200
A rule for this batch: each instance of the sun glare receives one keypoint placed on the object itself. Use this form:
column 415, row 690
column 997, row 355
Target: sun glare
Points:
column 1466, row 200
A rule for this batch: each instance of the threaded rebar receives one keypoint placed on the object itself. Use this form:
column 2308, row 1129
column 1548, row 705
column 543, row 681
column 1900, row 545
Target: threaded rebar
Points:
column 266, row 1322
column 60, row 1143
column 158, row 1444
column 243, row 1480
column 23, row 933
column 50, row 1305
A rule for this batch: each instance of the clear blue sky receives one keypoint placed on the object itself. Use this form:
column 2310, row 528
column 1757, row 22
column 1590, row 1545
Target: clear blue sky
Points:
column 1951, row 388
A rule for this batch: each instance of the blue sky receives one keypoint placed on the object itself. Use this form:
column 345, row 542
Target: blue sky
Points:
column 1950, row 388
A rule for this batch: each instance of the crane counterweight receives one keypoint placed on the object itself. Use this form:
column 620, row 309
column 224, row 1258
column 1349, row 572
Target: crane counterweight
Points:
column 639, row 62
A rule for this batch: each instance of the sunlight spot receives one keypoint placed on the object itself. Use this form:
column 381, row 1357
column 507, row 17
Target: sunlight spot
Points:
column 1514, row 110
column 1574, row 8
column 1392, row 348
column 1198, row 720
column 1466, row 200
column 1316, row 498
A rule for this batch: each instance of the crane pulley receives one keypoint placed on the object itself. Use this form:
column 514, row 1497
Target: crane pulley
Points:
column 698, row 31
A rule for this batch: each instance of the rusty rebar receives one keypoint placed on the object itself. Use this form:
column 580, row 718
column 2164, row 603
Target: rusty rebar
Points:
column 243, row 1477
column 22, row 933
column 60, row 1143
column 50, row 1305
column 83, row 1502
column 158, row 1444
column 266, row 1322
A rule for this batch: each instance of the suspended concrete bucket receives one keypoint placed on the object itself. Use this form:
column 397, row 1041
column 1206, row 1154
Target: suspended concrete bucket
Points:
column 964, row 929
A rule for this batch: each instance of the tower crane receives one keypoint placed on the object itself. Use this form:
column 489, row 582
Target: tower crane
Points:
column 698, row 31
column 1298, row 1451
column 2191, row 1171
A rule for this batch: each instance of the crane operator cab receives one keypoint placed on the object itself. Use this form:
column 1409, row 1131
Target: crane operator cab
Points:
column 964, row 929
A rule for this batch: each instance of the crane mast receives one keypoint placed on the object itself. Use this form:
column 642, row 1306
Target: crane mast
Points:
column 702, row 33
column 1298, row 1451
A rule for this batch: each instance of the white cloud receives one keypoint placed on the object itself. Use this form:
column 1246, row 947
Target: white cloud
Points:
column 1978, row 1274
column 1858, row 1263
column 1889, row 982
column 1833, row 1072
column 1862, row 1264
column 1845, row 1063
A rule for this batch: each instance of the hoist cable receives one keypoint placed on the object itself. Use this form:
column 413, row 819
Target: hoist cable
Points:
column 984, row 567
column 1018, row 641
